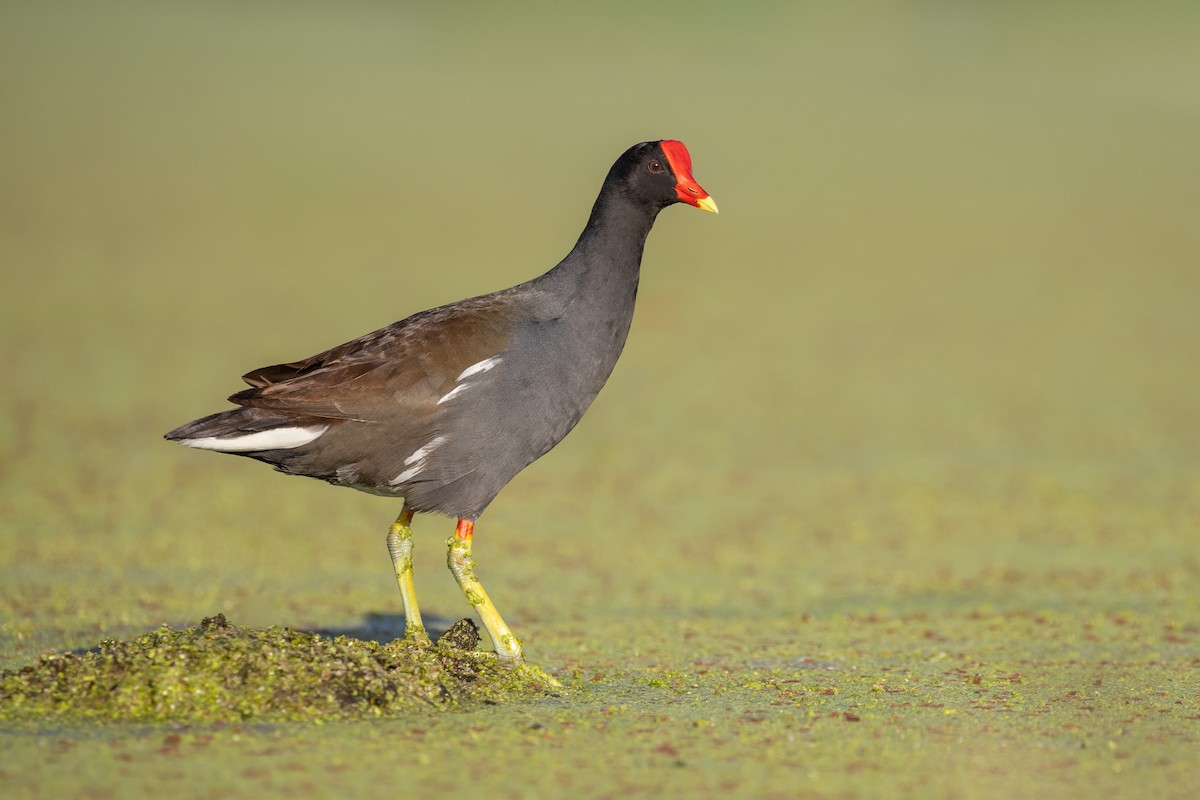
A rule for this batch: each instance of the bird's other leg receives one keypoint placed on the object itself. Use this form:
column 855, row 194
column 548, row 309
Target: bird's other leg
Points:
column 400, row 547
column 508, row 646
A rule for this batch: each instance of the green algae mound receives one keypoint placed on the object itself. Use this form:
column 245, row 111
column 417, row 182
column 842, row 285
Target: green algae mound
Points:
column 217, row 672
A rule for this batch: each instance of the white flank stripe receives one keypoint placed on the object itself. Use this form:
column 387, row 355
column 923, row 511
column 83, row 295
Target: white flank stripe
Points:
column 274, row 439
column 482, row 366
column 416, row 462
column 407, row 475
column 452, row 392
column 423, row 452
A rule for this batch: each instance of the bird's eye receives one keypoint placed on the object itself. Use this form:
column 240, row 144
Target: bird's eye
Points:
column 655, row 167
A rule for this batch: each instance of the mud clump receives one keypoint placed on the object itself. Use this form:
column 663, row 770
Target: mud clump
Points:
column 218, row 672
column 462, row 635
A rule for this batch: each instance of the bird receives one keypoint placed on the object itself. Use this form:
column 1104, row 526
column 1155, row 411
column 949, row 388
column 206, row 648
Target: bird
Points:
column 443, row 408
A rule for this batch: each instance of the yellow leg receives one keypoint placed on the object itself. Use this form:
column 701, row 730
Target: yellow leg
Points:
column 400, row 547
column 508, row 646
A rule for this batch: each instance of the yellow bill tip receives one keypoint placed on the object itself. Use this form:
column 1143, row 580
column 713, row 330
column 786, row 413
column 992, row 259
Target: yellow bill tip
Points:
column 708, row 204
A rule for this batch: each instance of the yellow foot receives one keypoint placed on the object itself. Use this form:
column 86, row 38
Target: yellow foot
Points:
column 537, row 673
column 415, row 634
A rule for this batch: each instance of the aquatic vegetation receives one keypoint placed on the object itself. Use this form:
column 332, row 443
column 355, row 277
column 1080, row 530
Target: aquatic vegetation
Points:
column 218, row 672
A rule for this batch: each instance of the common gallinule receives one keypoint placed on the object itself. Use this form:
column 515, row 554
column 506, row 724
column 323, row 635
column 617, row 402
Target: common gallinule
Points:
column 445, row 407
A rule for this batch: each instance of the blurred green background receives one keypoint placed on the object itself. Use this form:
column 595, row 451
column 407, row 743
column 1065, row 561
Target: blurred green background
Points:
column 937, row 356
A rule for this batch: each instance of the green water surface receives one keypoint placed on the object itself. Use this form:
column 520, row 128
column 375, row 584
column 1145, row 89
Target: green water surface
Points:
column 894, row 493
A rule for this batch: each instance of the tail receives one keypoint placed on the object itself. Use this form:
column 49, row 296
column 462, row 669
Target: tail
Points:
column 247, row 430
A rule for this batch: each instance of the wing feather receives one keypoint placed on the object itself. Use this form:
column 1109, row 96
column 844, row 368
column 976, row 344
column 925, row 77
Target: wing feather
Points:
column 409, row 364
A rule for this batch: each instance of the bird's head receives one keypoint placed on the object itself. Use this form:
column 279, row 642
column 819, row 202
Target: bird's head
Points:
column 661, row 172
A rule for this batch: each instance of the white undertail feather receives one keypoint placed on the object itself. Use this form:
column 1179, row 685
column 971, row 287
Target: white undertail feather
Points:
column 274, row 439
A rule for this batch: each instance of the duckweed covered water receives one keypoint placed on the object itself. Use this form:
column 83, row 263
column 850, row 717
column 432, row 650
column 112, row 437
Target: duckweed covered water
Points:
column 895, row 491
column 217, row 672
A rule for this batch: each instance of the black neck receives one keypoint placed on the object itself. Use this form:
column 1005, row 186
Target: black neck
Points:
column 617, row 224
column 612, row 241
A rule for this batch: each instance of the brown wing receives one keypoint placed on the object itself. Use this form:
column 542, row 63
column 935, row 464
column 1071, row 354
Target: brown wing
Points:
column 407, row 365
